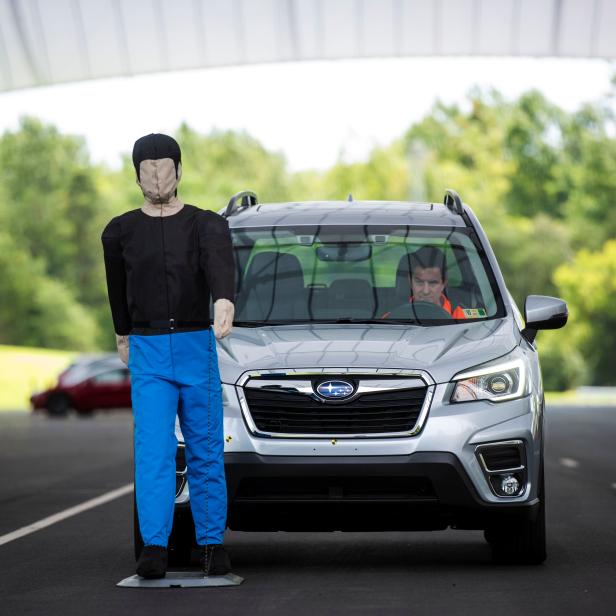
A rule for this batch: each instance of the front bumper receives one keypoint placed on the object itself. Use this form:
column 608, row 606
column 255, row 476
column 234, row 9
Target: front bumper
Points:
column 430, row 481
column 420, row 491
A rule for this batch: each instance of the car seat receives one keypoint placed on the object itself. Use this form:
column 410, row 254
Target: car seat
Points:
column 273, row 289
column 351, row 297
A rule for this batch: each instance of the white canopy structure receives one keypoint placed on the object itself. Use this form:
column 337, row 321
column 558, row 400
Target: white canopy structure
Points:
column 53, row 41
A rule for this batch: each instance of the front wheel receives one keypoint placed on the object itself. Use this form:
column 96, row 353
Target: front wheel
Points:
column 58, row 405
column 180, row 541
column 521, row 542
column 182, row 538
column 137, row 540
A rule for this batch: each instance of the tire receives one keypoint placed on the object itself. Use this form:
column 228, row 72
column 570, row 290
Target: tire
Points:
column 58, row 405
column 137, row 539
column 182, row 538
column 521, row 542
column 180, row 541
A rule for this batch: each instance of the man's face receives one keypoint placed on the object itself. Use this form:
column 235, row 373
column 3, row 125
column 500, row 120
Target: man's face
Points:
column 427, row 284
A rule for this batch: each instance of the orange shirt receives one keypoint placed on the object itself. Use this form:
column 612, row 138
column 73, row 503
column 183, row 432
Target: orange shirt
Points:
column 457, row 313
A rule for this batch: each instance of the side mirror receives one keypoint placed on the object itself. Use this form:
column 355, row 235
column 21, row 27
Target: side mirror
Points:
column 543, row 312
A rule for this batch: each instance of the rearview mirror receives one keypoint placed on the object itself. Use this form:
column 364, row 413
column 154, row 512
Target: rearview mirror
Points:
column 344, row 252
column 543, row 312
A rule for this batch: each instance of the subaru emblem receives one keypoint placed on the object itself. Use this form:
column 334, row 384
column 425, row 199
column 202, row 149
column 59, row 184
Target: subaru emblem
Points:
column 335, row 389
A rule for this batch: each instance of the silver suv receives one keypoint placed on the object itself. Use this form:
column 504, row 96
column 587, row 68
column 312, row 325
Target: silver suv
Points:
column 367, row 390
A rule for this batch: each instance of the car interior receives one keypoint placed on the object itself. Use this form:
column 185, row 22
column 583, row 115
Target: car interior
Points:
column 276, row 289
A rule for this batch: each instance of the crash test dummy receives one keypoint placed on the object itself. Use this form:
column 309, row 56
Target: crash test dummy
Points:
column 164, row 261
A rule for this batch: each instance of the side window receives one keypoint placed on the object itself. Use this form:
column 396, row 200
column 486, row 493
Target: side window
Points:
column 454, row 265
column 111, row 377
column 474, row 290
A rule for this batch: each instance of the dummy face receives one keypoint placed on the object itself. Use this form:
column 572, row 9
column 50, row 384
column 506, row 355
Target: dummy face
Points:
column 427, row 284
column 158, row 180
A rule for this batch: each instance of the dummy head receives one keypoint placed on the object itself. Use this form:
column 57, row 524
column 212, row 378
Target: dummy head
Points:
column 158, row 164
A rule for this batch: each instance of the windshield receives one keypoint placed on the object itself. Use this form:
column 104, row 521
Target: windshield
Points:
column 368, row 273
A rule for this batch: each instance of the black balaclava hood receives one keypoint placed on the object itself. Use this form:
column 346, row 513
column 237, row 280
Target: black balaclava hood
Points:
column 154, row 147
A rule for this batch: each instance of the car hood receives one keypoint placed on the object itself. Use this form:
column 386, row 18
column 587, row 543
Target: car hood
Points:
column 442, row 351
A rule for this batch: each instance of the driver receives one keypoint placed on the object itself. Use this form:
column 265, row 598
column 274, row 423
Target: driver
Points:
column 428, row 279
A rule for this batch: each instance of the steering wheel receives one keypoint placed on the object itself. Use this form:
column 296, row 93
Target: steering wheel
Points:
column 419, row 311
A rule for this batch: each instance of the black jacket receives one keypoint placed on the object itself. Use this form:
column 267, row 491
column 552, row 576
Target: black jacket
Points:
column 162, row 270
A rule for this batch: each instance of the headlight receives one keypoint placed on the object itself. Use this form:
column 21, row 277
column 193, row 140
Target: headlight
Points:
column 495, row 382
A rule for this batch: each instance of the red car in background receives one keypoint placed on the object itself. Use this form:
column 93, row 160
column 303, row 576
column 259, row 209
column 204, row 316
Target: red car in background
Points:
column 92, row 382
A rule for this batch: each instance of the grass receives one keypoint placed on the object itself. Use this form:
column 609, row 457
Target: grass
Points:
column 24, row 370
column 581, row 398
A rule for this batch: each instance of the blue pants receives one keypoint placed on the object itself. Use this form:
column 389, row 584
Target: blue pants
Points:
column 167, row 369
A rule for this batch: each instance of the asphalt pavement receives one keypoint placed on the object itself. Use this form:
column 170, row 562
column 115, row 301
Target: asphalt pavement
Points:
column 72, row 566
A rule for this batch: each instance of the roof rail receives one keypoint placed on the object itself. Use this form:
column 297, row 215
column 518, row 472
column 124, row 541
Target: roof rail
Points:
column 452, row 201
column 247, row 199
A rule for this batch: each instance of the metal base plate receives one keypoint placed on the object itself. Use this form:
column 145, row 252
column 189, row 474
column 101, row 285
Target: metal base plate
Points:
column 182, row 579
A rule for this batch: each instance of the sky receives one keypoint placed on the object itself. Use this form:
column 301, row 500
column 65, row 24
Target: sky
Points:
column 314, row 113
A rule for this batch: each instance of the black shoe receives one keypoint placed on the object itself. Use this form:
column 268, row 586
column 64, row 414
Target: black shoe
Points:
column 214, row 559
column 152, row 563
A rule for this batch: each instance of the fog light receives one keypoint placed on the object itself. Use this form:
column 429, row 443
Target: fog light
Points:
column 509, row 485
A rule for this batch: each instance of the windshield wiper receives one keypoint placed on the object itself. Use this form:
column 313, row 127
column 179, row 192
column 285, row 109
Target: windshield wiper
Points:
column 359, row 320
column 326, row 321
column 263, row 323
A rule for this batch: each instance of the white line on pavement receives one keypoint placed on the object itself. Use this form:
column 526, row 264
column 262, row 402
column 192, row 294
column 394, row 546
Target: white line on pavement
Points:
column 569, row 462
column 67, row 513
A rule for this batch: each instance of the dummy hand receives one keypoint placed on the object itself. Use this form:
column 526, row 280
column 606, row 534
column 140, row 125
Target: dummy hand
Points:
column 122, row 344
column 223, row 317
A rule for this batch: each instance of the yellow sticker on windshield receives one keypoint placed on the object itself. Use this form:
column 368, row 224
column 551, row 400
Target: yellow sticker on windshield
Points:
column 474, row 313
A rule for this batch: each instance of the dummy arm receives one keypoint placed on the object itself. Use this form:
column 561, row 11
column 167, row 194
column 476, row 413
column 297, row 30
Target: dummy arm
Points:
column 122, row 345
column 116, row 286
column 218, row 265
column 224, row 311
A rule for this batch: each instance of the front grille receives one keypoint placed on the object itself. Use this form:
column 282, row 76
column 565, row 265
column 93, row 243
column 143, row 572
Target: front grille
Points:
column 389, row 411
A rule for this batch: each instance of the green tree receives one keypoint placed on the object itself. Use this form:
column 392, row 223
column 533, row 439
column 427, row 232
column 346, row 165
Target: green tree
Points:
column 588, row 284
column 384, row 176
column 37, row 310
column 218, row 165
column 528, row 251
column 534, row 144
column 541, row 181
column 590, row 165
column 464, row 150
column 562, row 364
column 51, row 210
column 37, row 165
